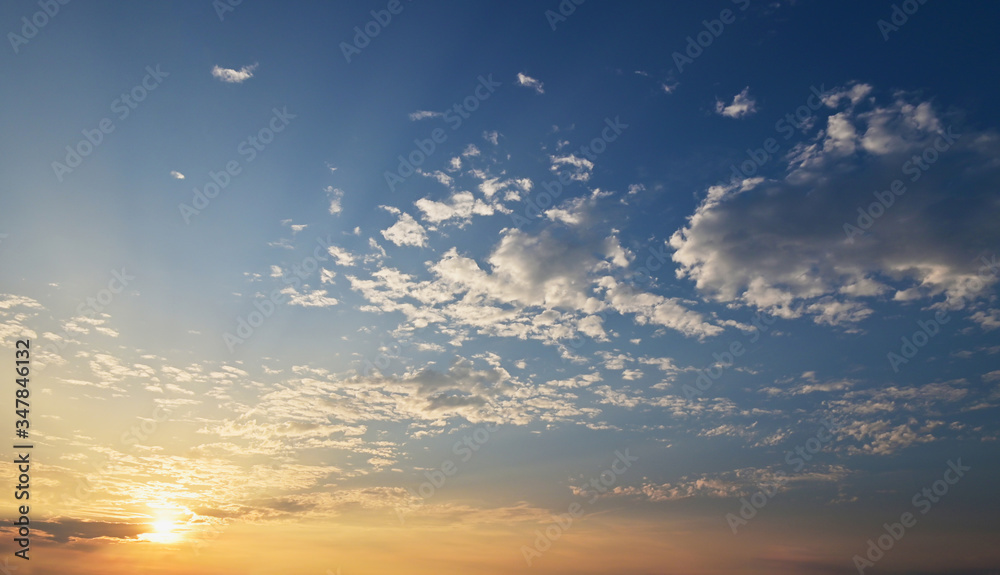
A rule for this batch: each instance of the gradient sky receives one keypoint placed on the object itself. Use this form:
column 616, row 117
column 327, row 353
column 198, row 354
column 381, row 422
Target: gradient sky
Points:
column 640, row 306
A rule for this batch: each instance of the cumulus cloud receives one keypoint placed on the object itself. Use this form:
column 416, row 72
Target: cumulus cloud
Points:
column 231, row 76
column 786, row 244
column 406, row 232
column 548, row 286
column 742, row 105
column 529, row 82
column 176, row 175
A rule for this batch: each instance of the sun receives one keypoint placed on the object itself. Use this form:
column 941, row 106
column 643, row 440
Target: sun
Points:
column 164, row 531
column 163, row 526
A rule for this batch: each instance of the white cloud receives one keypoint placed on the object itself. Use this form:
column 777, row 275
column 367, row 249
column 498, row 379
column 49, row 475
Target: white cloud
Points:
column 543, row 287
column 742, row 105
column 176, row 175
column 443, row 178
column 296, row 228
column 406, row 232
column 580, row 168
column 461, row 206
column 529, row 82
column 572, row 212
column 343, row 257
column 657, row 310
column 582, row 380
column 781, row 244
column 491, row 186
column 230, row 76
column 854, row 94
column 424, row 114
column 314, row 298
column 335, row 195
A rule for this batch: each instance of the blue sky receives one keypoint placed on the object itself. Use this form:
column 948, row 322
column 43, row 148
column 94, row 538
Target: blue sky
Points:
column 391, row 320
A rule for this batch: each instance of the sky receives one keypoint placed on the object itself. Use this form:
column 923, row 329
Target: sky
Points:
column 573, row 287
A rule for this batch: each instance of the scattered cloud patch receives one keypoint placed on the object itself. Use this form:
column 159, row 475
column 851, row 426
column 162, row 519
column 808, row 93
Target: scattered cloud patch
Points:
column 424, row 114
column 335, row 195
column 231, row 76
column 743, row 105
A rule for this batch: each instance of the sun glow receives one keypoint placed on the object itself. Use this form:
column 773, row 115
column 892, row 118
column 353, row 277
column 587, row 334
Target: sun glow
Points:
column 164, row 532
column 165, row 528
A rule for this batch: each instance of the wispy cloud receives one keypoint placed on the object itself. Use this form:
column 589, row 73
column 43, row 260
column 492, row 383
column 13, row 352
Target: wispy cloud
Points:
column 424, row 114
column 529, row 82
